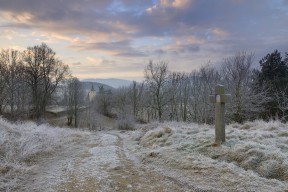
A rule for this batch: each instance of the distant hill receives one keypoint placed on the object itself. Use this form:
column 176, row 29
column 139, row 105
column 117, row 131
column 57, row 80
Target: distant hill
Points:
column 115, row 83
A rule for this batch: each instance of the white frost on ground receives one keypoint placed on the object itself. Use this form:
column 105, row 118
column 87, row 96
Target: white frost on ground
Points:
column 22, row 144
column 108, row 140
column 255, row 153
column 92, row 167
column 102, row 158
column 43, row 158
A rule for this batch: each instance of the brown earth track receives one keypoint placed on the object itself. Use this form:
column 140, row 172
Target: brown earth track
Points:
column 66, row 171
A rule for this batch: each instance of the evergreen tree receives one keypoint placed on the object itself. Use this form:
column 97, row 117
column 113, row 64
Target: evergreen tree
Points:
column 273, row 76
column 274, row 71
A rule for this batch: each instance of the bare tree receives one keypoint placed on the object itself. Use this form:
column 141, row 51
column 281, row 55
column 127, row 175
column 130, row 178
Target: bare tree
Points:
column 12, row 79
column 184, row 96
column 3, row 76
column 156, row 78
column 237, row 75
column 201, row 84
column 104, row 101
column 137, row 96
column 197, row 99
column 43, row 74
column 282, row 103
column 210, row 77
column 141, row 102
column 174, row 80
column 122, row 103
column 74, row 100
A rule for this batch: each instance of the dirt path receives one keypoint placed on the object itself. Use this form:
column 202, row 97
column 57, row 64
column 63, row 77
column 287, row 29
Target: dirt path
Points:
column 132, row 175
column 107, row 161
column 97, row 162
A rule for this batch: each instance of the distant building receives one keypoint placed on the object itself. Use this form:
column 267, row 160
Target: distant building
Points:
column 92, row 94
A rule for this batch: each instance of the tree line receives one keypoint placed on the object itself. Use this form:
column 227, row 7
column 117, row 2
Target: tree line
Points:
column 29, row 81
column 257, row 92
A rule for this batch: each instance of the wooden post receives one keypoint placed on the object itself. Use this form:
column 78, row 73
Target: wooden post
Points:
column 219, row 99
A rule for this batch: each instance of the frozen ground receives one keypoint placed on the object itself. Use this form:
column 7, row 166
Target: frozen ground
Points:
column 155, row 157
column 254, row 158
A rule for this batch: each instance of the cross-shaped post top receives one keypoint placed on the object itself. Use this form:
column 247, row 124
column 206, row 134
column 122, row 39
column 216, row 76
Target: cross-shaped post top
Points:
column 220, row 96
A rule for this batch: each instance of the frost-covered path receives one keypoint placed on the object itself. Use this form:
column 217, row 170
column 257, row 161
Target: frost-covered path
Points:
column 166, row 157
column 98, row 162
column 104, row 166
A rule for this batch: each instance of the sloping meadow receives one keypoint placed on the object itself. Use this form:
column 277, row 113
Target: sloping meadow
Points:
column 255, row 148
column 23, row 144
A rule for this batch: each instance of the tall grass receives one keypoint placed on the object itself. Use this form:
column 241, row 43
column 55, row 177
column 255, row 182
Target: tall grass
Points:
column 261, row 147
column 23, row 144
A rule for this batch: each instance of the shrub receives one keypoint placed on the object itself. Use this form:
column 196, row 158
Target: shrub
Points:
column 126, row 124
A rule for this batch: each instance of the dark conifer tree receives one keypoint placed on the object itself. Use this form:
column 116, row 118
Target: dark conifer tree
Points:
column 273, row 76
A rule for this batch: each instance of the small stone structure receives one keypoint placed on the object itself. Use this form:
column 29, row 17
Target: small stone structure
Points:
column 92, row 94
column 219, row 99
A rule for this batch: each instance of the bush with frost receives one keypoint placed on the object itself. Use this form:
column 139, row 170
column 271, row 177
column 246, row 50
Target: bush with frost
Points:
column 126, row 123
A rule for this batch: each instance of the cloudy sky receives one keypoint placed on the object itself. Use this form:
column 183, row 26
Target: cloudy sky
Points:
column 117, row 38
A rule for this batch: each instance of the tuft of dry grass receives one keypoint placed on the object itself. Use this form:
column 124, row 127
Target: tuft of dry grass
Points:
column 158, row 136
